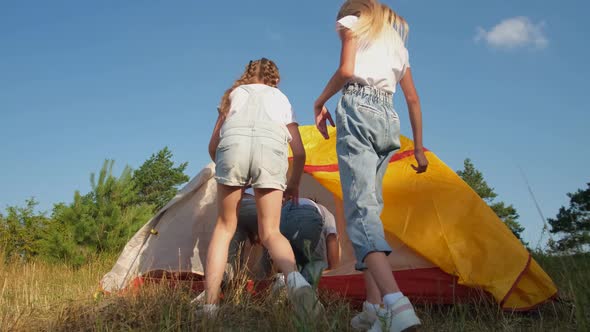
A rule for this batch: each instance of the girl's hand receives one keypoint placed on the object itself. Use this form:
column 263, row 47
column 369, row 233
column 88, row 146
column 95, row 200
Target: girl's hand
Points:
column 321, row 115
column 291, row 193
column 422, row 161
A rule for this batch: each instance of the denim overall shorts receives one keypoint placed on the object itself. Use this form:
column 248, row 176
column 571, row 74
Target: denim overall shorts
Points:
column 253, row 149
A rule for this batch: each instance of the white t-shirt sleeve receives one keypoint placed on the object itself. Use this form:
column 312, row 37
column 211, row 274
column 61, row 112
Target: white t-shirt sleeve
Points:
column 346, row 22
column 285, row 108
column 406, row 61
column 329, row 221
column 237, row 98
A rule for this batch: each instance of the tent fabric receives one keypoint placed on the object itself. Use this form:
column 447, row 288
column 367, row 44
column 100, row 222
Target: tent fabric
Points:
column 446, row 241
column 439, row 217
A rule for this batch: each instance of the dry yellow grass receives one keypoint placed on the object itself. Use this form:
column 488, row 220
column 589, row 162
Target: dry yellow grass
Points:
column 36, row 291
column 43, row 297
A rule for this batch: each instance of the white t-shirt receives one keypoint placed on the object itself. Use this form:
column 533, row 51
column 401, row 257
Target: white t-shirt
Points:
column 276, row 104
column 382, row 63
column 329, row 227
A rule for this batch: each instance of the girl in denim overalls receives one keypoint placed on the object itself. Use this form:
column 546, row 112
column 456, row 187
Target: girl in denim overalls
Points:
column 373, row 61
column 250, row 147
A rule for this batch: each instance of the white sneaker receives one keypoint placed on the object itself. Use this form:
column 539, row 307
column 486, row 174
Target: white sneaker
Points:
column 209, row 311
column 365, row 319
column 303, row 297
column 397, row 318
column 200, row 299
column 278, row 284
column 306, row 303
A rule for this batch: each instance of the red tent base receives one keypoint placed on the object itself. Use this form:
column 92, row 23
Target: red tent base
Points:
column 425, row 286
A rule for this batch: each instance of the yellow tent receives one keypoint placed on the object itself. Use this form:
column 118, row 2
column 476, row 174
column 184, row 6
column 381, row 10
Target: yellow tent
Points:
column 447, row 243
column 439, row 217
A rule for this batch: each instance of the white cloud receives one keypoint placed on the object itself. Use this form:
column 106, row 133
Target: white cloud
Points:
column 513, row 33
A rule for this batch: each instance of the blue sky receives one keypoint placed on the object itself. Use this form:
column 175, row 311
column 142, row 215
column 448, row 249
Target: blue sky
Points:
column 502, row 82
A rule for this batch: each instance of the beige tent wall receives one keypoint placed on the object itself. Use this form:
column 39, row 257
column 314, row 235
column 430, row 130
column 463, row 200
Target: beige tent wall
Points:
column 184, row 226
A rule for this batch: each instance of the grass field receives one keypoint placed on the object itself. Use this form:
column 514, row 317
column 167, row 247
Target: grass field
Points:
column 41, row 297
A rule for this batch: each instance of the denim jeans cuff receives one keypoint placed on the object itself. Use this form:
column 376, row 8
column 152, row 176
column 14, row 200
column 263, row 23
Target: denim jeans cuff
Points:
column 360, row 263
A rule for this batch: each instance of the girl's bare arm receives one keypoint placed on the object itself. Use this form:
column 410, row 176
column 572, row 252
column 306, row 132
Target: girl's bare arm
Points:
column 344, row 72
column 415, row 111
column 296, row 144
column 214, row 141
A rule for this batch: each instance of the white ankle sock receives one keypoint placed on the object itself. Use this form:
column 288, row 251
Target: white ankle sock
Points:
column 370, row 307
column 391, row 298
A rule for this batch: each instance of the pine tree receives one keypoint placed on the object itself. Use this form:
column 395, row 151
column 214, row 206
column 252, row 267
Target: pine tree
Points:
column 573, row 223
column 157, row 180
column 21, row 230
column 507, row 213
column 57, row 243
column 101, row 221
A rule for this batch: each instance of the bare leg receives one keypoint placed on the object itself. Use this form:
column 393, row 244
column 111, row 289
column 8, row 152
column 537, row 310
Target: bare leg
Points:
column 400, row 318
column 367, row 317
column 268, row 205
column 228, row 199
column 381, row 273
column 373, row 293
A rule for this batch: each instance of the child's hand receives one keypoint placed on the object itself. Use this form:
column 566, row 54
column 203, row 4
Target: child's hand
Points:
column 422, row 161
column 321, row 115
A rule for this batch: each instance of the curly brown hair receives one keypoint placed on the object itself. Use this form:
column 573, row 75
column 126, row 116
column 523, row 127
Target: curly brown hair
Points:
column 263, row 71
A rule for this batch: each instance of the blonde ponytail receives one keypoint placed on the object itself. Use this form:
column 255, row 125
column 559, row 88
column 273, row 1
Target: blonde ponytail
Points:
column 375, row 20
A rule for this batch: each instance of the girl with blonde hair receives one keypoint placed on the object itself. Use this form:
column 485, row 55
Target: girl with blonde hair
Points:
column 373, row 60
column 249, row 145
